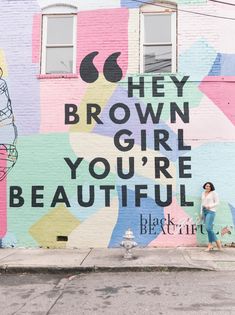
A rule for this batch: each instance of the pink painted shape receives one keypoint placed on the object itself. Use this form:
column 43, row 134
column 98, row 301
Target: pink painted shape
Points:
column 3, row 202
column 54, row 94
column 105, row 31
column 165, row 240
column 36, row 38
column 222, row 93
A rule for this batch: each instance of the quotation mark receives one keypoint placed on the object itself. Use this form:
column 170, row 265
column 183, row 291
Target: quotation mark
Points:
column 112, row 71
column 144, row 160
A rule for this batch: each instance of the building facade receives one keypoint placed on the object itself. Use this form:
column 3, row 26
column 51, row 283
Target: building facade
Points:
column 113, row 114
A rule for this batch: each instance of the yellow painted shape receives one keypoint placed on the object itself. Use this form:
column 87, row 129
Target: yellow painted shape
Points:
column 58, row 222
column 99, row 93
column 3, row 63
column 97, row 230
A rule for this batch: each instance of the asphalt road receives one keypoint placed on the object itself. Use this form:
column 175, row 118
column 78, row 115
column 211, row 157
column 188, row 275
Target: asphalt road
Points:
column 119, row 293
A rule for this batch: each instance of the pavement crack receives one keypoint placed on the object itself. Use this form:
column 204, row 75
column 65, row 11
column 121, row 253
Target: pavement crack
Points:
column 28, row 301
column 19, row 309
column 60, row 286
column 86, row 256
column 61, row 294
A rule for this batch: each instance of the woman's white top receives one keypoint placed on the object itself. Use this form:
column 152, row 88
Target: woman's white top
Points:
column 210, row 200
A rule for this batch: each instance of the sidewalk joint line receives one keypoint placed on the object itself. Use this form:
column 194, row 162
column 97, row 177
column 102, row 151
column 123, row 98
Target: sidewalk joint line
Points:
column 86, row 256
column 7, row 256
column 188, row 259
column 191, row 262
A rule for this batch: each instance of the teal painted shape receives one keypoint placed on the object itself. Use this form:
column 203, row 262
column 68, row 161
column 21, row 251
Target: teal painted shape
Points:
column 212, row 162
column 197, row 60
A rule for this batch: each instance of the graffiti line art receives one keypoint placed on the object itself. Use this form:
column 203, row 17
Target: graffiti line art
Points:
column 8, row 131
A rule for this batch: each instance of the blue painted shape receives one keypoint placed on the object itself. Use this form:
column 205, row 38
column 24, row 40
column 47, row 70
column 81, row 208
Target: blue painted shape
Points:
column 216, row 68
column 0, row 243
column 9, row 240
column 7, row 134
column 228, row 65
column 129, row 217
column 224, row 65
column 233, row 212
column 23, row 85
column 133, row 4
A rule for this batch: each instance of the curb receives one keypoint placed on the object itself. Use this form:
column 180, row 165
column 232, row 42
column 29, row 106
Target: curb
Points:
column 80, row 269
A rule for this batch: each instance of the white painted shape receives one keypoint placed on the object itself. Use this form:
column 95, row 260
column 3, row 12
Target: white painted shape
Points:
column 88, row 144
column 207, row 124
column 193, row 27
column 97, row 230
column 226, row 31
column 217, row 32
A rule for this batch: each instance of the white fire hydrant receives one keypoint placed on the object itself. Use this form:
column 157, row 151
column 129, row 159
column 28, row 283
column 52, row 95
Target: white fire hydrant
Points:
column 128, row 244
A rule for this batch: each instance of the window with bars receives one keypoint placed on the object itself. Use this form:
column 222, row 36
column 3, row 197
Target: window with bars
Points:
column 58, row 44
column 158, row 41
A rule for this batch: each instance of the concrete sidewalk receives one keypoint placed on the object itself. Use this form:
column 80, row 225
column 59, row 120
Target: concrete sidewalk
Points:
column 87, row 260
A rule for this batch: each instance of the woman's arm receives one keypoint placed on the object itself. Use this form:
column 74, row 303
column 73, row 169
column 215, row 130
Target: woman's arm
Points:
column 215, row 200
column 201, row 204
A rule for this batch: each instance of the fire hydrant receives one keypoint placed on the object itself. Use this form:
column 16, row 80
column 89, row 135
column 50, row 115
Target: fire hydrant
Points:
column 128, row 244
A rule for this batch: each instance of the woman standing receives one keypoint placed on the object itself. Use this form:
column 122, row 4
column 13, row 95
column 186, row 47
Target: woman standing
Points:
column 208, row 210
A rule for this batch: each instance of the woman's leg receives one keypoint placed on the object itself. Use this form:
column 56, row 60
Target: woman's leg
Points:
column 205, row 219
column 218, row 244
column 209, row 220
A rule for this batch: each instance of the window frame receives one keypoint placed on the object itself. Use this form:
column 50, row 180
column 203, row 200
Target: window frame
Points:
column 173, row 44
column 45, row 45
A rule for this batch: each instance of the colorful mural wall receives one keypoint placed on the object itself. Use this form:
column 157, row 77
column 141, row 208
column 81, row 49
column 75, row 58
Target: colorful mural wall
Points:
column 84, row 157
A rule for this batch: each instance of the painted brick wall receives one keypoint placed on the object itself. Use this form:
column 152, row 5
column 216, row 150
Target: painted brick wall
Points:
column 35, row 140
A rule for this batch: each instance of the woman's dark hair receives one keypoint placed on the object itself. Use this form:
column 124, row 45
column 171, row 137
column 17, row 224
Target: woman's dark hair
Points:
column 212, row 186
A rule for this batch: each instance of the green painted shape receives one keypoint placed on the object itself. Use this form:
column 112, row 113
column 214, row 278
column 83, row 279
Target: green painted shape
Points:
column 191, row 93
column 41, row 163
